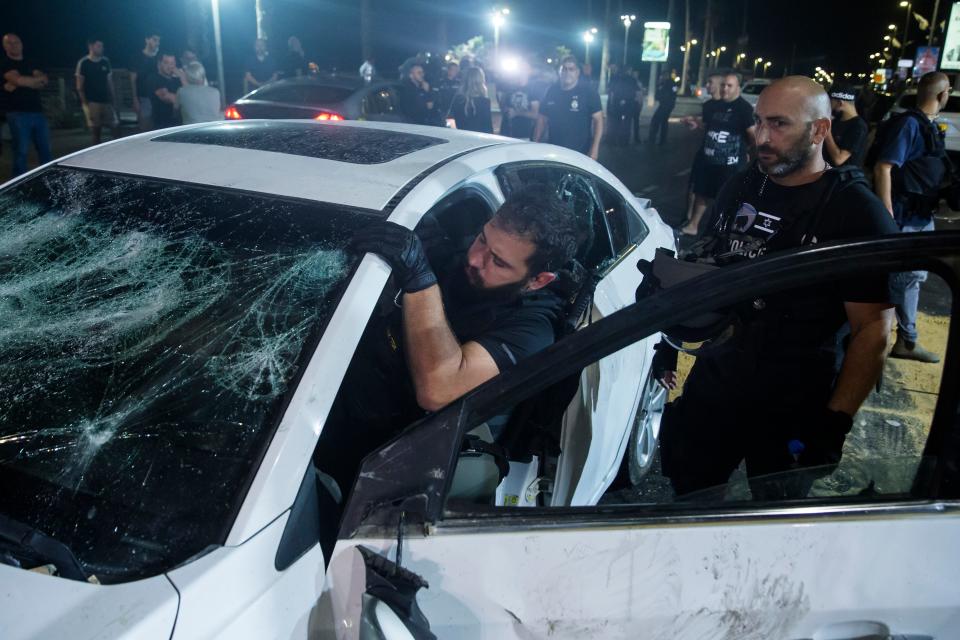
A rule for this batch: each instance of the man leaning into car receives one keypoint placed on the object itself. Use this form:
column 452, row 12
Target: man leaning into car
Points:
column 458, row 319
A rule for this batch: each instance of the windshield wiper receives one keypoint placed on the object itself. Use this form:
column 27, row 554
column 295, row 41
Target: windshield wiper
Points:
column 40, row 547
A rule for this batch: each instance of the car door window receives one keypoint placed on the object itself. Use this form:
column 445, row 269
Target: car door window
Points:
column 738, row 428
column 577, row 188
column 322, row 94
column 626, row 226
column 282, row 93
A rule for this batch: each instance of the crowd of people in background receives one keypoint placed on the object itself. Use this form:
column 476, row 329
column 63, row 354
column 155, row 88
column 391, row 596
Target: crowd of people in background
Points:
column 560, row 105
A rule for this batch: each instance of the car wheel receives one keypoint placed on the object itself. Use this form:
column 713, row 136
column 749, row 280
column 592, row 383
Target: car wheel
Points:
column 642, row 449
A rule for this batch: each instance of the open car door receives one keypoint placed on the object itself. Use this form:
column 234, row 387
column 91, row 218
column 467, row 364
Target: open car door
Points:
column 872, row 555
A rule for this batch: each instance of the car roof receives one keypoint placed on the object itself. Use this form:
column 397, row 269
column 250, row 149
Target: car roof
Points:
column 358, row 164
column 347, row 82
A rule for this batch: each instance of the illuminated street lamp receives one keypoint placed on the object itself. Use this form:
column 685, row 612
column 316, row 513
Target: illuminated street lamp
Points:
column 588, row 37
column 755, row 63
column 906, row 25
column 499, row 19
column 627, row 21
column 766, row 65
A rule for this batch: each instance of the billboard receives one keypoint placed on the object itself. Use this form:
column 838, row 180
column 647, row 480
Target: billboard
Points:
column 926, row 60
column 656, row 41
column 951, row 44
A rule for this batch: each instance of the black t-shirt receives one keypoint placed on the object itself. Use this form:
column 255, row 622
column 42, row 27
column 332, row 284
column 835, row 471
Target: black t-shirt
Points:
column 261, row 70
column 21, row 99
column 519, row 98
column 164, row 115
column 850, row 135
column 95, row 74
column 725, row 143
column 413, row 103
column 667, row 94
column 623, row 95
column 293, row 65
column 754, row 216
column 510, row 330
column 473, row 114
column 570, row 113
column 144, row 66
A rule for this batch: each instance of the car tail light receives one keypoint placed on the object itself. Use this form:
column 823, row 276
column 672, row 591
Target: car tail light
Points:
column 327, row 116
column 231, row 113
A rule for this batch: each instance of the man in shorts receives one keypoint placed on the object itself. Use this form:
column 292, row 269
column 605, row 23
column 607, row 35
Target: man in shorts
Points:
column 95, row 88
column 729, row 135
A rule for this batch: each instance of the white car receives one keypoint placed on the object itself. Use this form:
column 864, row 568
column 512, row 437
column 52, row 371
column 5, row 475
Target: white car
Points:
column 178, row 310
column 949, row 117
column 184, row 481
column 752, row 89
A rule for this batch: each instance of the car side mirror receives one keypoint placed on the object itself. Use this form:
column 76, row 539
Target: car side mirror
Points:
column 641, row 201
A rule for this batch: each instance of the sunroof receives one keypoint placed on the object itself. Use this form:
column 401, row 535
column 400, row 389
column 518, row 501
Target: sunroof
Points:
column 356, row 145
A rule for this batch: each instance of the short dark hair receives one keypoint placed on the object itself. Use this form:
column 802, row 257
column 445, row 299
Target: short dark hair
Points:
column 537, row 213
column 717, row 73
column 93, row 40
column 565, row 59
column 152, row 34
column 735, row 74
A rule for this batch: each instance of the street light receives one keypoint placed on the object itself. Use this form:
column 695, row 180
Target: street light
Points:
column 766, row 65
column 906, row 26
column 755, row 63
column 588, row 37
column 627, row 21
column 499, row 19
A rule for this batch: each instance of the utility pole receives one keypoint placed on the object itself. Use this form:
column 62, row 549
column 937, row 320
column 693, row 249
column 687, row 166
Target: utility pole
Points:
column 686, row 48
column 933, row 22
column 906, row 30
column 261, row 20
column 366, row 37
column 218, row 44
column 706, row 43
column 605, row 52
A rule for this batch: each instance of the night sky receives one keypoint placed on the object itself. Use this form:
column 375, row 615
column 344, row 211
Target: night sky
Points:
column 836, row 34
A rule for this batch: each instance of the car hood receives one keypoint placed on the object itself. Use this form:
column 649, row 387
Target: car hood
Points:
column 35, row 605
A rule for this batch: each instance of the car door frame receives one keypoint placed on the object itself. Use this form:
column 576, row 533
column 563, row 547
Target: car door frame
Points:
column 408, row 478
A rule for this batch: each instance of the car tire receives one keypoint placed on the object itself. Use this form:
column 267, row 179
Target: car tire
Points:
column 643, row 446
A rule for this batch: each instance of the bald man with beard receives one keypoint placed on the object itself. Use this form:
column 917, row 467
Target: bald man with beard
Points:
column 772, row 395
column 907, row 175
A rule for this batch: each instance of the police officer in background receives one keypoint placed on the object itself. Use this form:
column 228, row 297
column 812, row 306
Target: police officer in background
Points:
column 909, row 169
column 771, row 395
column 571, row 112
column 846, row 143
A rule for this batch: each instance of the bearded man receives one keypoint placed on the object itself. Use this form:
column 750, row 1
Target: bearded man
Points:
column 454, row 319
column 773, row 396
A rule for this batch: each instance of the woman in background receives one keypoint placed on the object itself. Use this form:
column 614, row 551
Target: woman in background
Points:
column 470, row 108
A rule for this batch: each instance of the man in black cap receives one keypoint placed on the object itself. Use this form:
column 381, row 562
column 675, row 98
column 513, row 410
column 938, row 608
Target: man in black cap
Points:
column 846, row 142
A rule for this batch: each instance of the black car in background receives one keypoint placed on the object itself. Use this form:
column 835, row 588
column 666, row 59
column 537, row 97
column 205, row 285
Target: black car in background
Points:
column 320, row 98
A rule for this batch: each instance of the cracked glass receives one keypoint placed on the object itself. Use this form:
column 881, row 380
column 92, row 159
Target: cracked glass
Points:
column 150, row 335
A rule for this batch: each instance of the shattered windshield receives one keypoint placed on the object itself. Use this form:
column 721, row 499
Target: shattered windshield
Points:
column 150, row 334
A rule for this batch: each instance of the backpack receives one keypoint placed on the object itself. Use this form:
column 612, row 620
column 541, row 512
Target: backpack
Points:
column 919, row 183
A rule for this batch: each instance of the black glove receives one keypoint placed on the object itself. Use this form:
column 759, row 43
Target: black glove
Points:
column 823, row 438
column 402, row 249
